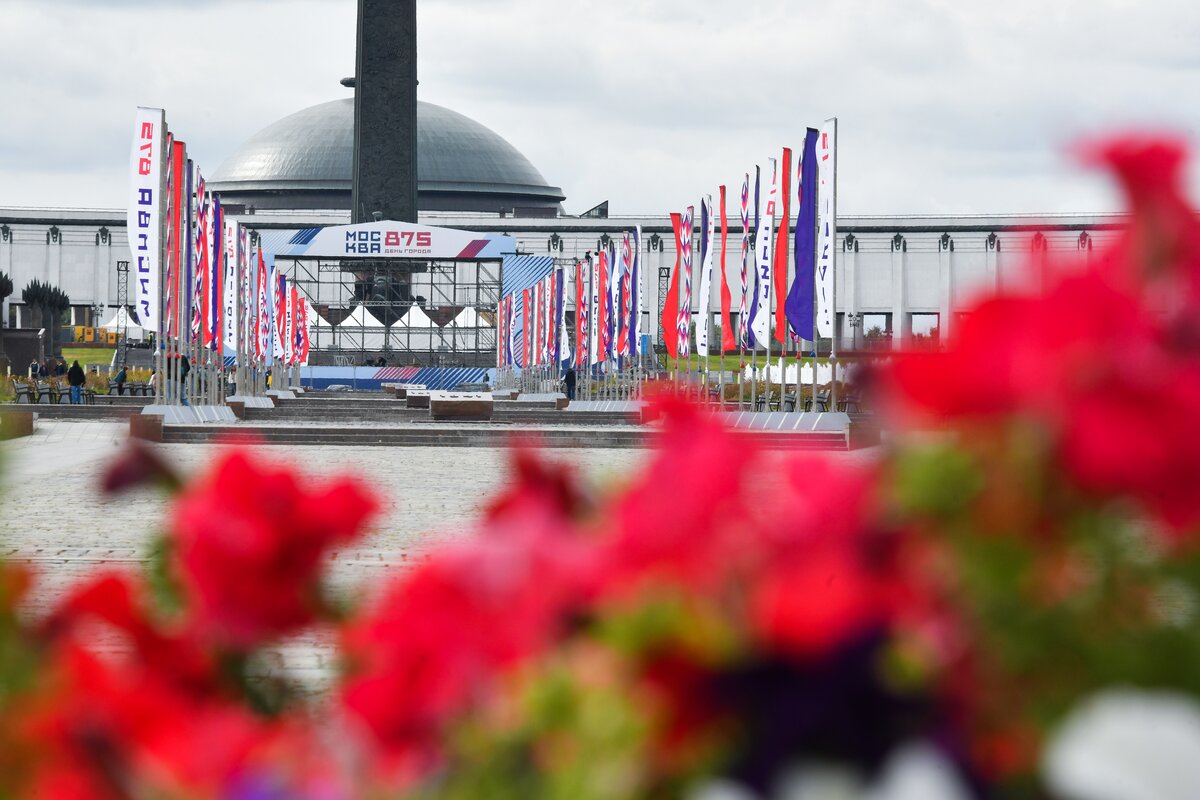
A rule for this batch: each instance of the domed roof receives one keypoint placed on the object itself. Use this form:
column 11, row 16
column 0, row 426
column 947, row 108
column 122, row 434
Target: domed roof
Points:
column 310, row 154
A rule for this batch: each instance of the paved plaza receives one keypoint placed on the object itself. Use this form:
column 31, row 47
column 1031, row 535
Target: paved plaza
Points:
column 53, row 517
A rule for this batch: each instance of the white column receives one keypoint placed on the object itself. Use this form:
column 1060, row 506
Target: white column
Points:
column 945, row 287
column 901, row 325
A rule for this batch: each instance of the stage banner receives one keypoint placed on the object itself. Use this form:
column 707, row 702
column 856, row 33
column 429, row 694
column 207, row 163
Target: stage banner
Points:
column 637, row 298
column 685, row 303
column 781, row 248
column 233, row 242
column 760, row 325
column 704, row 318
column 800, row 308
column 670, row 312
column 743, row 320
column 144, row 215
column 826, row 226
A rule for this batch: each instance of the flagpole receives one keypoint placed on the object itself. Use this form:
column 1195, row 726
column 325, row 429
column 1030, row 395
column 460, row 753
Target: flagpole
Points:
column 833, row 386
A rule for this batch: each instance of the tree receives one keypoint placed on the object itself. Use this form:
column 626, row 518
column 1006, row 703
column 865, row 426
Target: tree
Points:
column 49, row 302
column 58, row 303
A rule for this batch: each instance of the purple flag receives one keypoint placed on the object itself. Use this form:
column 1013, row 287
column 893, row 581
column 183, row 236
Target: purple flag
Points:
column 801, row 314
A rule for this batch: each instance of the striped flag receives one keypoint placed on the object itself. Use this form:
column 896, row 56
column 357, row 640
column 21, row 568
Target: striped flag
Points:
column 581, row 306
column 551, row 319
column 603, row 309
column 685, row 304
column 298, row 332
column 216, row 269
column 670, row 314
column 262, row 317
column 526, row 328
column 626, row 305
column 199, row 255
column 636, row 304
column 743, row 321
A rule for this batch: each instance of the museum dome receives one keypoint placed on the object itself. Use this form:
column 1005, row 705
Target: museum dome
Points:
column 305, row 161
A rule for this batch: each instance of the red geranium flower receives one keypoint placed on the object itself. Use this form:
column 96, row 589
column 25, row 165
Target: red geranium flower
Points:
column 250, row 541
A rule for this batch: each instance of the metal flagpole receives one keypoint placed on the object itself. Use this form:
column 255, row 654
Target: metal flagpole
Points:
column 833, row 387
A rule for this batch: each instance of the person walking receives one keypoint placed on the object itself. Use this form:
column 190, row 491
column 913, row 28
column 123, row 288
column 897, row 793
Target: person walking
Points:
column 120, row 380
column 569, row 382
column 76, row 378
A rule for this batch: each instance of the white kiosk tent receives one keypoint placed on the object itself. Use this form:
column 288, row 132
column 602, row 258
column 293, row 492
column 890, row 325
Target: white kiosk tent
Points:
column 121, row 320
column 415, row 331
column 361, row 331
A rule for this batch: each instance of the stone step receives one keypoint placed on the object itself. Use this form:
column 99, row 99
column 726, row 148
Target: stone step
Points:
column 68, row 411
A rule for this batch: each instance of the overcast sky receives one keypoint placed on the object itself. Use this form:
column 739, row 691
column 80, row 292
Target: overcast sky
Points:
column 944, row 106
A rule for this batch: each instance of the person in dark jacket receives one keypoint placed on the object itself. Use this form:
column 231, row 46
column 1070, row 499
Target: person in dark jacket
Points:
column 569, row 381
column 76, row 378
column 120, row 381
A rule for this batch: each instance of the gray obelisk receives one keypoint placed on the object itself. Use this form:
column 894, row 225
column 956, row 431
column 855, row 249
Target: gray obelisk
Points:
column 385, row 112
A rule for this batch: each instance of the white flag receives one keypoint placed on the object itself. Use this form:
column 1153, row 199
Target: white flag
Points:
column 762, row 249
column 144, row 216
column 233, row 246
column 826, row 226
column 706, row 264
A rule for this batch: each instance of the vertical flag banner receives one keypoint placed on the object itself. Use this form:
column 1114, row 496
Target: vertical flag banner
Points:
column 200, row 257
column 297, row 321
column 177, row 200
column 144, row 216
column 593, row 311
column 800, row 309
column 706, row 267
column 230, row 285
column 781, row 249
column 603, row 310
column 670, row 314
column 826, row 225
column 510, row 324
column 262, row 316
column 637, row 298
column 526, row 328
column 246, row 302
column 562, row 347
column 613, row 298
column 624, row 318
column 278, row 318
column 760, row 326
column 743, row 321
column 303, row 327
column 539, row 325
column 580, row 317
column 552, row 317
column 728, row 342
column 289, row 323
column 213, row 299
column 685, row 303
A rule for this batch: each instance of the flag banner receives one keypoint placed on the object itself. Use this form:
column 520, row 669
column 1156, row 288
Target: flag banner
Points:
column 297, row 320
column 200, row 257
column 185, row 278
column 743, row 321
column 637, row 297
column 229, row 282
column 728, row 342
column 603, row 309
column 670, row 313
column 562, row 347
column 216, row 270
column 760, row 323
column 800, row 308
column 826, row 226
column 500, row 332
column 539, row 309
column 177, row 200
column 303, row 328
column 624, row 318
column 593, row 295
column 613, row 298
column 144, row 215
column 172, row 234
column 704, row 317
column 685, row 303
column 526, row 328
column 552, row 319
column 246, row 303
column 262, row 316
column 781, row 248
column 289, row 323
column 580, row 316
column 511, row 324
column 278, row 320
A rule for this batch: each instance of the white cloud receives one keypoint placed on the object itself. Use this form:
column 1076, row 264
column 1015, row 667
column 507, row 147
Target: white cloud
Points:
column 944, row 106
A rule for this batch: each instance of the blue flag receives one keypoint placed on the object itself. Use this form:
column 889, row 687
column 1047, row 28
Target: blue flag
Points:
column 801, row 314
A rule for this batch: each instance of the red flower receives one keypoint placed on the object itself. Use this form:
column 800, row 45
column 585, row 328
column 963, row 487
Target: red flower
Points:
column 442, row 634
column 250, row 542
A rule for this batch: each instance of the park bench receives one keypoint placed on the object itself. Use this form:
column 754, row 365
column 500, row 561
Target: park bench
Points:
column 44, row 390
column 822, row 401
column 22, row 390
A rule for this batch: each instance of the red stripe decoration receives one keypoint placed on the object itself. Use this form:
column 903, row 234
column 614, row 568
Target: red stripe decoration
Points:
column 473, row 249
column 670, row 315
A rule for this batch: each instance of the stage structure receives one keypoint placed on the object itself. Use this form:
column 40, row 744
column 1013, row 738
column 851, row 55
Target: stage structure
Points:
column 408, row 294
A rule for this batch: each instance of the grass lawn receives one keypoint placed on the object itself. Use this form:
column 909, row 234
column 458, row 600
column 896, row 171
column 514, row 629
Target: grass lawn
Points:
column 88, row 355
